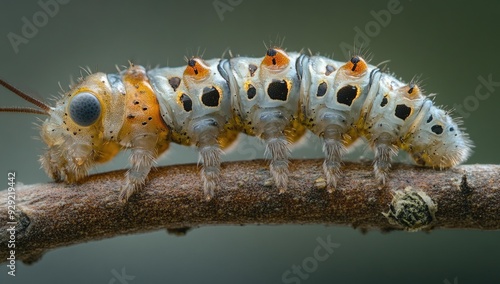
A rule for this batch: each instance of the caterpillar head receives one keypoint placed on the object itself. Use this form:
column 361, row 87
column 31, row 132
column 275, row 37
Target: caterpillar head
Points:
column 436, row 139
column 74, row 130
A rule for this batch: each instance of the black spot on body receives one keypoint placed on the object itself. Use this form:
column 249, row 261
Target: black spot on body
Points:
column 354, row 61
column 438, row 129
column 210, row 97
column 192, row 63
column 329, row 70
column 187, row 103
column 384, row 101
column 347, row 94
column 410, row 90
column 402, row 111
column 278, row 90
column 322, row 89
column 252, row 68
column 271, row 52
column 251, row 92
column 174, row 82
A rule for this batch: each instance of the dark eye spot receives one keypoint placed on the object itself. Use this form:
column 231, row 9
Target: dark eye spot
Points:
column 210, row 97
column 278, row 90
column 438, row 129
column 347, row 94
column 174, row 82
column 384, row 101
column 252, row 68
column 251, row 92
column 329, row 70
column 429, row 119
column 84, row 109
column 322, row 89
column 402, row 111
column 187, row 103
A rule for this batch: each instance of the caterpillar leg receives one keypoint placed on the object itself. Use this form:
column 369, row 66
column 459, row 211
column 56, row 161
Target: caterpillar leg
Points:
column 53, row 165
column 206, row 133
column 277, row 146
column 334, row 150
column 384, row 150
column 141, row 160
column 70, row 165
column 210, row 173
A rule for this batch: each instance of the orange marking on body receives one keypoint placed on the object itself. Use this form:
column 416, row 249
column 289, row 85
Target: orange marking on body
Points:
column 411, row 91
column 141, row 108
column 275, row 59
column 197, row 69
column 355, row 67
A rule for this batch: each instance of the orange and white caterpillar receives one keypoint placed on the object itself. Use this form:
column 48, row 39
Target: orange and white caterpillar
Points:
column 208, row 103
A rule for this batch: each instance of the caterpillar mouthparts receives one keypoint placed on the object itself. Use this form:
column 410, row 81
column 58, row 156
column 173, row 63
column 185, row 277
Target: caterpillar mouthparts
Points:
column 208, row 103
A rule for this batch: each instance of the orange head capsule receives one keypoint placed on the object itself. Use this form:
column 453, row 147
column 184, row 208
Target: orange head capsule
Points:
column 275, row 59
column 197, row 69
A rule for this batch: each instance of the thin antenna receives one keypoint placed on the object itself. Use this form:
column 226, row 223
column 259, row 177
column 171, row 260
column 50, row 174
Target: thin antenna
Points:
column 23, row 110
column 26, row 97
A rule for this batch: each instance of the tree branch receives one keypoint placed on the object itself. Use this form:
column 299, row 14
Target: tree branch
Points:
column 55, row 214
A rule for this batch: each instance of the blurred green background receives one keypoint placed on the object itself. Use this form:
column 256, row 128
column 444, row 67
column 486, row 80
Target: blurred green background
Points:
column 449, row 45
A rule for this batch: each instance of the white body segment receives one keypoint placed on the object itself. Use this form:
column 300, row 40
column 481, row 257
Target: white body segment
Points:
column 276, row 98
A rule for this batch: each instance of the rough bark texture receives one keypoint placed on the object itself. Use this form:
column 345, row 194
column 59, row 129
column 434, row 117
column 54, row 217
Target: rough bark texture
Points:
column 55, row 214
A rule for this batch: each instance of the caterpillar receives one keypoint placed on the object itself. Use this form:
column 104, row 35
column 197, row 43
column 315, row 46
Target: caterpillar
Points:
column 207, row 104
